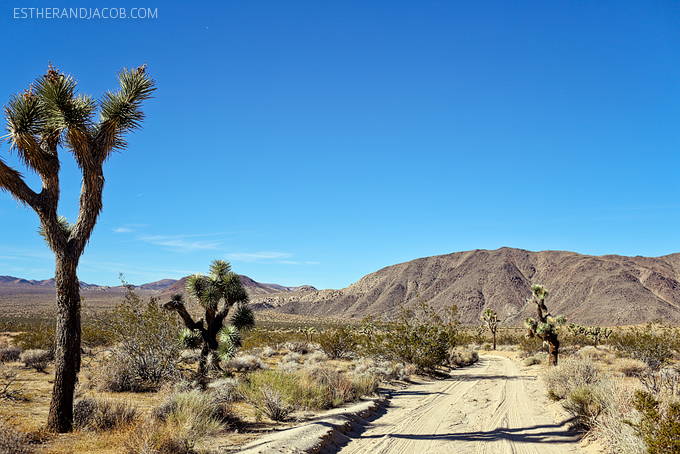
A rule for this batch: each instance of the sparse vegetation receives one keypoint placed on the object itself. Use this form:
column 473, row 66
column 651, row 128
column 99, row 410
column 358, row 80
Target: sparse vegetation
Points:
column 36, row 359
column 146, row 352
column 417, row 335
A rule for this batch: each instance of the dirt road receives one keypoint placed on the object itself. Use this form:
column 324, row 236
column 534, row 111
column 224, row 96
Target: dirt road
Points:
column 492, row 407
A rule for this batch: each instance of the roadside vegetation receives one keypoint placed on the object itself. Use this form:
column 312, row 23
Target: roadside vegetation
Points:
column 157, row 380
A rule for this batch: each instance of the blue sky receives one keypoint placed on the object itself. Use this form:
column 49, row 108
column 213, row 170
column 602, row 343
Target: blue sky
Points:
column 316, row 142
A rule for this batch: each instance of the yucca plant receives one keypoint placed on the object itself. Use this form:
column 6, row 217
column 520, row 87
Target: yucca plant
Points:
column 491, row 319
column 545, row 327
column 50, row 115
column 217, row 293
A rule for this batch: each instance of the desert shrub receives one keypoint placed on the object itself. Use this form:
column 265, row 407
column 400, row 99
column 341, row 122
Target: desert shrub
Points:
column 586, row 403
column 276, row 394
column 364, row 384
column 245, row 363
column 292, row 357
column 268, row 352
column 36, row 359
column 301, row 347
column 652, row 344
column 185, row 419
column 8, row 383
column 102, row 414
column 273, row 393
column 12, row 441
column 531, row 361
column 629, row 367
column 593, row 353
column 316, row 357
column 417, row 335
column 10, row 354
column 262, row 337
column 661, row 383
column 571, row 374
column 462, row 357
column 613, row 427
column 147, row 352
column 40, row 336
column 225, row 390
column 531, row 345
column 659, row 425
column 338, row 342
column 95, row 334
column 382, row 370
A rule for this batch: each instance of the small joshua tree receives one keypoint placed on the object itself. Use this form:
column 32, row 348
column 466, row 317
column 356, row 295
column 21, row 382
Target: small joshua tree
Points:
column 491, row 319
column 308, row 331
column 546, row 325
column 217, row 293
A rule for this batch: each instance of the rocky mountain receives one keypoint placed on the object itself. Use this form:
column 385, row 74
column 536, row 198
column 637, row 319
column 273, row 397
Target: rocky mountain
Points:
column 607, row 290
column 28, row 298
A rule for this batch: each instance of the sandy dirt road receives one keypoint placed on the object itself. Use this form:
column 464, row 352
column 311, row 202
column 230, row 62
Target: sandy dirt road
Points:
column 491, row 407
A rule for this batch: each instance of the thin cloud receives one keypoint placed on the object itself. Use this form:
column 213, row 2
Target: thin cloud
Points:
column 180, row 242
column 259, row 256
column 122, row 230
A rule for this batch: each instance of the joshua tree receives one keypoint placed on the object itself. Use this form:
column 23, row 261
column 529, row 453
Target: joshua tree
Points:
column 546, row 325
column 491, row 319
column 44, row 118
column 217, row 293
column 308, row 331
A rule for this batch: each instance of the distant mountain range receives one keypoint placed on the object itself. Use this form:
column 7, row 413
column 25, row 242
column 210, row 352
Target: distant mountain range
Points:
column 25, row 298
column 607, row 290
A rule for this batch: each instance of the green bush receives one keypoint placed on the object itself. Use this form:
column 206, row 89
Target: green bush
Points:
column 585, row 403
column 417, row 335
column 338, row 342
column 652, row 344
column 147, row 351
column 659, row 425
column 39, row 336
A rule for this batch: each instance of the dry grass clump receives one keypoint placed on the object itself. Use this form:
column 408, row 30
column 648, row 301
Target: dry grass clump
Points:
column 268, row 352
column 315, row 357
column 596, row 354
column 13, row 441
column 36, row 358
column 98, row 414
column 10, row 354
column 383, row 370
column 611, row 428
column 297, row 347
column 531, row 360
column 180, row 424
column 571, row 374
column 245, row 363
column 629, row 367
column 225, row 390
column 459, row 357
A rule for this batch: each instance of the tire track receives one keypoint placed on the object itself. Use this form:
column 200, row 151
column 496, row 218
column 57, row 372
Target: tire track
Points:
column 482, row 409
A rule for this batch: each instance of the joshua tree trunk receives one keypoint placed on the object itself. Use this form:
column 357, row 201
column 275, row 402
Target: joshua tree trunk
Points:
column 493, row 334
column 553, row 349
column 67, row 354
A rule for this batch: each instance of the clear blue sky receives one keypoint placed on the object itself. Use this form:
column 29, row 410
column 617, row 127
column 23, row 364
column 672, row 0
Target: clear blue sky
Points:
column 316, row 142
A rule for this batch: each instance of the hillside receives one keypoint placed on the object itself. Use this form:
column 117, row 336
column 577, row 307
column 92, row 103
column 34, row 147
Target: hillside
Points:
column 606, row 290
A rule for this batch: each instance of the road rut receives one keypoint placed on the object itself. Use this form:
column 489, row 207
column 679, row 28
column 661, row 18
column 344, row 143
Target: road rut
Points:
column 491, row 407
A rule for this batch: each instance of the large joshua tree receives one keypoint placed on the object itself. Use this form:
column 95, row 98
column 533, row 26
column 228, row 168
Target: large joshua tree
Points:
column 491, row 319
column 545, row 327
column 217, row 293
column 44, row 118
